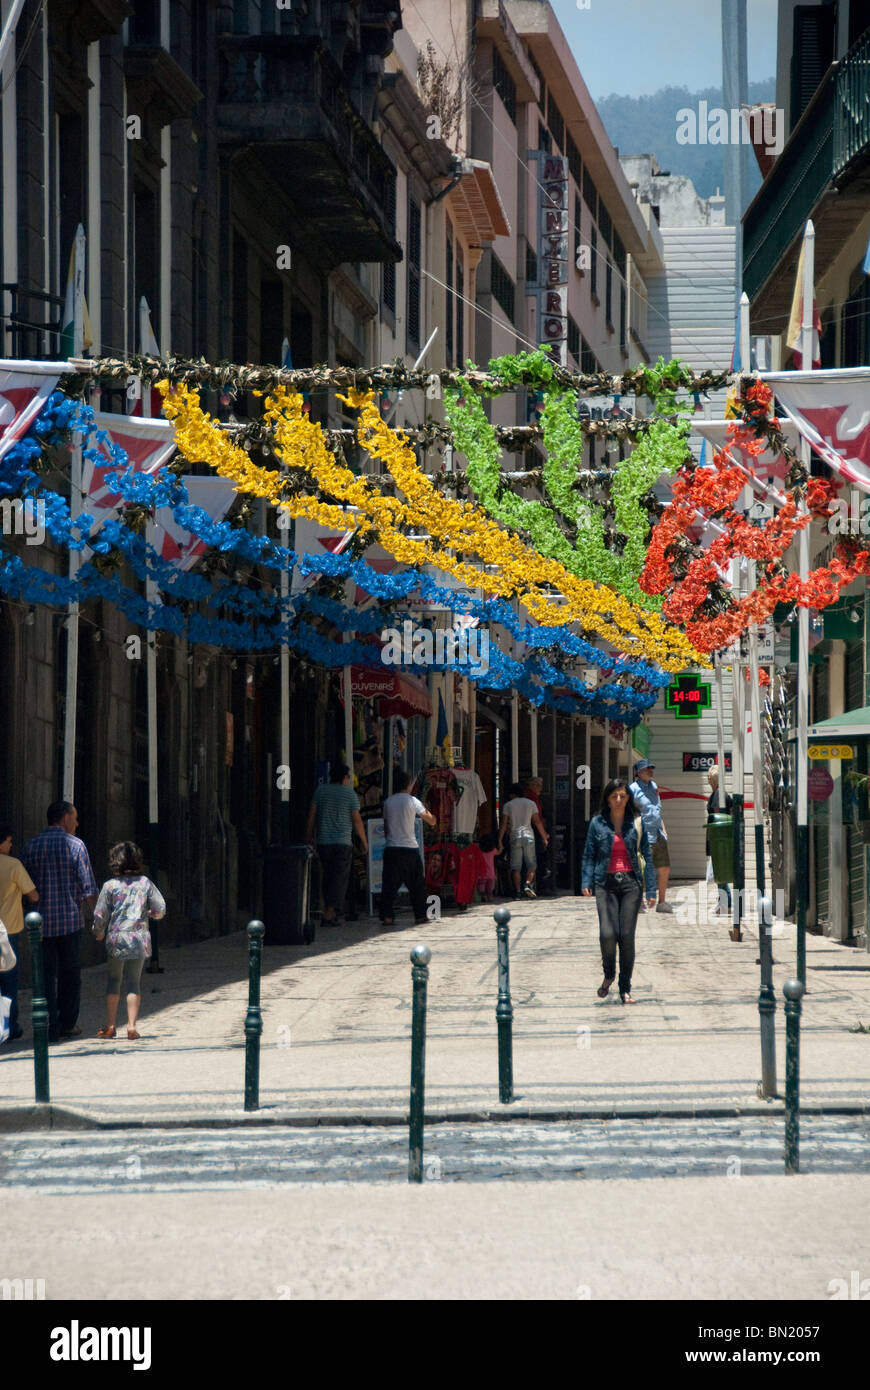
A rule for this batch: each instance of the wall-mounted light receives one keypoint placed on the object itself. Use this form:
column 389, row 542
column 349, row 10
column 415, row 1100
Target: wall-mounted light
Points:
column 854, row 615
column 30, row 617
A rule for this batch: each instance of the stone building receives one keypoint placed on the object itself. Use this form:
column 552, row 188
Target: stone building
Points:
column 225, row 162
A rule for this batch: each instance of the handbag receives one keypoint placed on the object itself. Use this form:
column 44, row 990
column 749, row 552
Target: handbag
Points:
column 638, row 830
column 8, row 958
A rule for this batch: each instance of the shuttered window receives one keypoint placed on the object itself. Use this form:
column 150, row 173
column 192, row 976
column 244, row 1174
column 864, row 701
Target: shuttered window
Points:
column 413, row 250
column 815, row 28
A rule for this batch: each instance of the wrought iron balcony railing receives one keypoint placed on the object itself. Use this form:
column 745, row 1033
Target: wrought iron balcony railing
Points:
column 290, row 96
column 831, row 139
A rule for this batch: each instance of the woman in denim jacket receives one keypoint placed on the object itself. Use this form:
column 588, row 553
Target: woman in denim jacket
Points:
column 611, row 871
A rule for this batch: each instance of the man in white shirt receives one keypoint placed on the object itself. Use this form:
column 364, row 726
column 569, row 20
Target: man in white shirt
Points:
column 519, row 816
column 402, row 859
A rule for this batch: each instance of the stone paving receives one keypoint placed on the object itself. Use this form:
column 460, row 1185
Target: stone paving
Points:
column 337, row 1017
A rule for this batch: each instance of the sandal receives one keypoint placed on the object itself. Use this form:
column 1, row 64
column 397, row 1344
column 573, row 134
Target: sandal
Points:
column 626, row 998
column 132, row 1034
column 107, row 1032
column 605, row 988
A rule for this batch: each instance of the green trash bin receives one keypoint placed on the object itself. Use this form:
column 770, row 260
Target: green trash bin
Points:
column 720, row 834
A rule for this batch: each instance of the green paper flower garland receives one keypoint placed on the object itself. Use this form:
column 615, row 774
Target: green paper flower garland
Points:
column 660, row 450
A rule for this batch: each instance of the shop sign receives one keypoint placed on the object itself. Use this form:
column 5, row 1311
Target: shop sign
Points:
column 702, row 762
column 553, row 253
column 820, row 784
column 821, row 752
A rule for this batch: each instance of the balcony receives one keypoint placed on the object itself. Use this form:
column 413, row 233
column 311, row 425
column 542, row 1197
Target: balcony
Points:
column 285, row 101
column 824, row 173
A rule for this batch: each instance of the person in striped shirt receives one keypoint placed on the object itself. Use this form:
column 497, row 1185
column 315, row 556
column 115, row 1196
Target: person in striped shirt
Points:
column 58, row 863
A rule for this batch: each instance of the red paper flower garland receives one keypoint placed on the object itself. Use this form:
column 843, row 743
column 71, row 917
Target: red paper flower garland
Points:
column 711, row 492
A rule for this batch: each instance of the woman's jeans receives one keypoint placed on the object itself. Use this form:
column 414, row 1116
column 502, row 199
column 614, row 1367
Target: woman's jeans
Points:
column 649, row 873
column 618, row 903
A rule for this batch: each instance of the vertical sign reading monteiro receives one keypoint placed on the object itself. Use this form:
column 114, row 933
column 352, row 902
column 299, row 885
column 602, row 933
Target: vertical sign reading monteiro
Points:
column 553, row 253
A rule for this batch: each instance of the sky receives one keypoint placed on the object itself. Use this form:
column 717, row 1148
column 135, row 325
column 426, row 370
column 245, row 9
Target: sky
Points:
column 634, row 47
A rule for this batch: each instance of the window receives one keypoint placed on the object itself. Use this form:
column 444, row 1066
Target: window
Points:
column 608, row 294
column 145, row 23
column 504, row 85
column 544, row 141
column 388, row 279
column 605, row 226
column 813, row 51
column 590, row 193
column 574, row 162
column 574, row 340
column 623, row 326
column 619, row 255
column 531, row 265
column 577, row 234
column 460, row 308
column 449, row 305
column 588, row 363
column 555, row 122
column 593, row 258
column 413, row 250
column 502, row 287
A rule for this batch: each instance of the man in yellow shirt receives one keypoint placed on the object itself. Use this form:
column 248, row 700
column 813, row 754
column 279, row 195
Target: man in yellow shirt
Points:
column 15, row 884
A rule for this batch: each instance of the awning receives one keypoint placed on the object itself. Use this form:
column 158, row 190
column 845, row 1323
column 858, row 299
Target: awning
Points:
column 854, row 724
column 395, row 692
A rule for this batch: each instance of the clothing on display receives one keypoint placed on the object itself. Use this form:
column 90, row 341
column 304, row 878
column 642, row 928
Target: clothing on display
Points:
column 473, row 796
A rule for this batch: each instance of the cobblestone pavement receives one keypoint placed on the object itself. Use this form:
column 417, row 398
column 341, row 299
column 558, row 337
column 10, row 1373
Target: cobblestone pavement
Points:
column 337, row 1016
column 203, row 1160
column 678, row 1239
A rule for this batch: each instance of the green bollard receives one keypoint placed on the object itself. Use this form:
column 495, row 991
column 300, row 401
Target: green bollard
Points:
column 793, row 990
column 504, row 1010
column 253, row 1018
column 739, row 872
column 767, row 999
column 39, row 1008
column 420, row 958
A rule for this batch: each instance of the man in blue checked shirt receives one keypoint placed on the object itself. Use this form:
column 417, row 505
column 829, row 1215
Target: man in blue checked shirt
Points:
column 655, row 839
column 59, row 865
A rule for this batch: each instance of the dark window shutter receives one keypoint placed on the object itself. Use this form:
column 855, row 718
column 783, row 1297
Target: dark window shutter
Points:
column 815, row 28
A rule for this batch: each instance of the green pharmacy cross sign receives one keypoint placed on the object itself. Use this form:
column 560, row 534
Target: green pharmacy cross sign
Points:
column 687, row 696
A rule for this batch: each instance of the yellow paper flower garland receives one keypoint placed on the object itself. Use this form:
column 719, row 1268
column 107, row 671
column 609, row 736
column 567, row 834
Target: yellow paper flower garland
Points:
column 300, row 443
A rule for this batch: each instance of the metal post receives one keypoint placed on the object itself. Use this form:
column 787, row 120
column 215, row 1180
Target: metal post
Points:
column 39, row 1008
column 767, row 1000
column 738, row 739
column 253, row 1018
column 504, row 1010
column 802, row 856
column 420, row 958
column 792, row 989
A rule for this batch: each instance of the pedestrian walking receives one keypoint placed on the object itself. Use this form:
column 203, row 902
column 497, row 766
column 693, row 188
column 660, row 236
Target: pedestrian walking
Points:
column 723, row 904
column 15, row 884
column 402, row 860
column 647, row 801
column 611, row 873
column 127, row 900
column 58, row 864
column 534, row 789
column 519, row 821
column 332, row 819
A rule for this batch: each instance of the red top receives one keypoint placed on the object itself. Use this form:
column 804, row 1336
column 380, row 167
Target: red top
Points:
column 619, row 860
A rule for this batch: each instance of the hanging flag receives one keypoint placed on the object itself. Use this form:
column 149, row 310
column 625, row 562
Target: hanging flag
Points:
column 148, row 444
column 832, row 410
column 148, row 347
column 171, row 541
column 74, row 287
column 795, row 320
column 24, row 389
column 732, row 407
column 442, row 737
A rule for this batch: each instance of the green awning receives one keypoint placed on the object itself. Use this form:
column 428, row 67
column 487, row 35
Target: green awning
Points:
column 854, row 724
